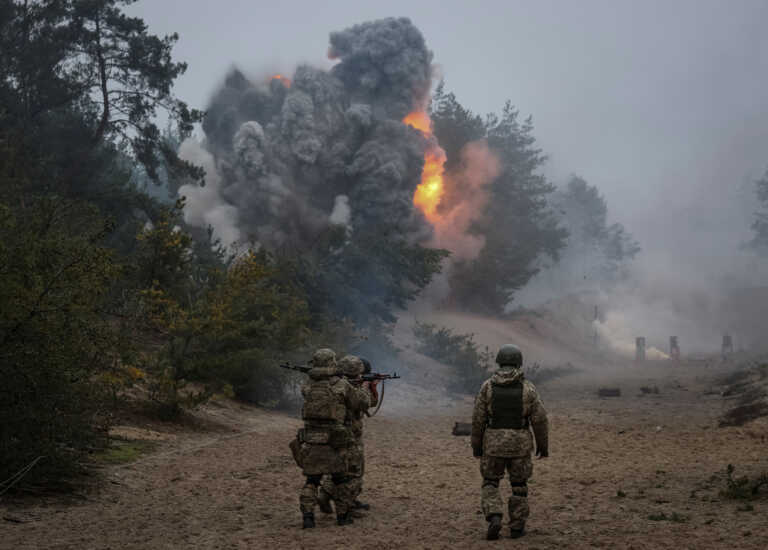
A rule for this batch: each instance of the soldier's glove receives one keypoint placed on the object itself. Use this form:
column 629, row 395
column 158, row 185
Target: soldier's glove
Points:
column 477, row 452
column 542, row 453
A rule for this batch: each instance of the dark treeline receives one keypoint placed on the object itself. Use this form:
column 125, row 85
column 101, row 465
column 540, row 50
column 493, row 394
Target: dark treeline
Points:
column 103, row 287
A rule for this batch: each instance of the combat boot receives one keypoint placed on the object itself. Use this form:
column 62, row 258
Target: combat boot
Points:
column 516, row 533
column 494, row 527
column 309, row 520
column 358, row 505
column 343, row 519
column 324, row 501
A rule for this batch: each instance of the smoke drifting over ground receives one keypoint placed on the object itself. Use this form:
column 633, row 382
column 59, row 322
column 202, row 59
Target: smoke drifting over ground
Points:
column 711, row 287
column 286, row 157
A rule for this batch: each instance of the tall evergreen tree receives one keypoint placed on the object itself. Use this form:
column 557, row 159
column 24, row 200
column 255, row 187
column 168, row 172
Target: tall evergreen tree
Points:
column 517, row 224
column 760, row 224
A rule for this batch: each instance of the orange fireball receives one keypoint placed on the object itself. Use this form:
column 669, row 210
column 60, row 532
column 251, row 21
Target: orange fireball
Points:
column 283, row 80
column 430, row 190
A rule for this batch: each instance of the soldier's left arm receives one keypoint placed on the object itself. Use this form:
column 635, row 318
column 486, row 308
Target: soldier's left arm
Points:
column 479, row 419
column 373, row 393
column 537, row 416
column 357, row 398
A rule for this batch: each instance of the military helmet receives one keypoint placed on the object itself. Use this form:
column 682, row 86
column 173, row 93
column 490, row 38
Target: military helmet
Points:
column 509, row 355
column 324, row 357
column 351, row 366
column 366, row 365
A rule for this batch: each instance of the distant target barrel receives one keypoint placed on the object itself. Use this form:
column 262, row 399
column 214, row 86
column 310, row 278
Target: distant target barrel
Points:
column 640, row 348
column 727, row 347
column 674, row 348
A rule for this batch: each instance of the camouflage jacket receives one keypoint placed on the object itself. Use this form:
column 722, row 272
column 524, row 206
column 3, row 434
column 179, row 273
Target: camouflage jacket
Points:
column 509, row 442
column 354, row 419
column 330, row 399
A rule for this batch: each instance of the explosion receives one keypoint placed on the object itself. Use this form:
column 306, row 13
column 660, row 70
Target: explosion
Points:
column 285, row 81
column 286, row 157
column 430, row 190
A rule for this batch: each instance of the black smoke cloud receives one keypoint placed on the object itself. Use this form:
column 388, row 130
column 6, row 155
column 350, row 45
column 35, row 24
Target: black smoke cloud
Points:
column 285, row 160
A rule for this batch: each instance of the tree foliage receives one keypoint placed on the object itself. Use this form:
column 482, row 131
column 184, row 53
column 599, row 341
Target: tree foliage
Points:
column 56, row 341
column 601, row 250
column 471, row 365
column 233, row 333
column 517, row 224
column 760, row 224
column 85, row 62
column 365, row 279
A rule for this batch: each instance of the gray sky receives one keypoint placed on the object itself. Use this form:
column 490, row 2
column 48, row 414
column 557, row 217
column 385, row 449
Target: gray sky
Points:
column 661, row 104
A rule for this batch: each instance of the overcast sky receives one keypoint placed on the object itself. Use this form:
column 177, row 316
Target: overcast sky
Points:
column 661, row 104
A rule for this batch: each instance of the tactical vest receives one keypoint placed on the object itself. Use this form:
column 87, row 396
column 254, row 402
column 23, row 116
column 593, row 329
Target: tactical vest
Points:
column 507, row 407
column 321, row 403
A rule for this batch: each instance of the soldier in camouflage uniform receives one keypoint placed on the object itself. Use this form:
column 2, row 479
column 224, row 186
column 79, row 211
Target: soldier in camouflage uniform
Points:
column 506, row 407
column 324, row 445
column 352, row 367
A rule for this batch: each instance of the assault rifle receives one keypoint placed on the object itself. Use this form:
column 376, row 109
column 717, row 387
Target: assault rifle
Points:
column 375, row 376
column 366, row 377
column 301, row 368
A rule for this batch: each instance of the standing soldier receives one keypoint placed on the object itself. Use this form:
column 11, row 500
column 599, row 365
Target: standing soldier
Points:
column 352, row 367
column 505, row 407
column 324, row 444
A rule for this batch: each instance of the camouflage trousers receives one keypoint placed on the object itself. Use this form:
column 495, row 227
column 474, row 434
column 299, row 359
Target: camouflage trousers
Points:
column 320, row 460
column 353, row 486
column 342, row 487
column 519, row 469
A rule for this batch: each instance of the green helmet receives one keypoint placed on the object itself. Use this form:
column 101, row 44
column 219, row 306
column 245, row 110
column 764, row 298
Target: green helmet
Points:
column 509, row 355
column 351, row 366
column 324, row 358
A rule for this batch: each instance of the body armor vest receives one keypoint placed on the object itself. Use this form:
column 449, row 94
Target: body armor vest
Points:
column 321, row 403
column 507, row 407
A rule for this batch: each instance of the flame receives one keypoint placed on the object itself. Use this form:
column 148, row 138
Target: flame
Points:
column 419, row 120
column 430, row 190
column 283, row 80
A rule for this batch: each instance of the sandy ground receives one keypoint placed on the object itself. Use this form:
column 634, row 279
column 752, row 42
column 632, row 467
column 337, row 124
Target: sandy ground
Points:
column 613, row 463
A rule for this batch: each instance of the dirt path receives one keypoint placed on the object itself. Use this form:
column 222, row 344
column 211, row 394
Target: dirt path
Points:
column 614, row 465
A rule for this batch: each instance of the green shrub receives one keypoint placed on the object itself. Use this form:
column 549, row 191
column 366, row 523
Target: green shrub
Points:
column 460, row 351
column 56, row 341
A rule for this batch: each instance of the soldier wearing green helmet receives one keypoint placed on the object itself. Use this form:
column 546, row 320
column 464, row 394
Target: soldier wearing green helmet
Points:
column 507, row 408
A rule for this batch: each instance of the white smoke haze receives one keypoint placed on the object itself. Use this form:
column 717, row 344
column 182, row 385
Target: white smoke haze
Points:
column 341, row 213
column 204, row 205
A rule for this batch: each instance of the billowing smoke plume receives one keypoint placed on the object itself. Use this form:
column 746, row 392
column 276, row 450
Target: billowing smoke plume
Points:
column 468, row 195
column 385, row 64
column 285, row 158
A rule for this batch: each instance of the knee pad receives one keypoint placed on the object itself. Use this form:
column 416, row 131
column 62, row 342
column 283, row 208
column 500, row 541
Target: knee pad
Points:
column 490, row 482
column 519, row 488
